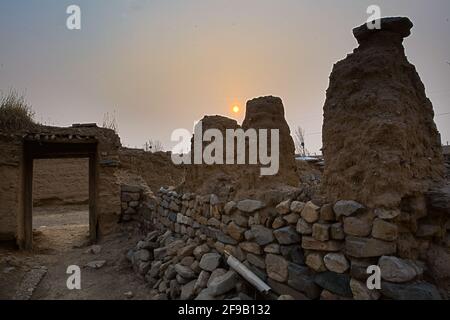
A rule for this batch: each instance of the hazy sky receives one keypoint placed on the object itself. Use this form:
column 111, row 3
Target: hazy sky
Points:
column 162, row 64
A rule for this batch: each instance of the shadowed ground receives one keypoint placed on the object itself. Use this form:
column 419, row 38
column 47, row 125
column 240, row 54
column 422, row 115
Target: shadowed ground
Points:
column 61, row 239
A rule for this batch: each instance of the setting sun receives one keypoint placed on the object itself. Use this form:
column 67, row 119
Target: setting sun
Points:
column 236, row 109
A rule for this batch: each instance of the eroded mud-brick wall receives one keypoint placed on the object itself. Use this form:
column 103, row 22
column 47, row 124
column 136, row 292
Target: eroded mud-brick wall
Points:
column 108, row 194
column 155, row 169
column 243, row 180
column 60, row 182
column 13, row 171
column 106, row 162
column 380, row 142
column 10, row 185
column 382, row 149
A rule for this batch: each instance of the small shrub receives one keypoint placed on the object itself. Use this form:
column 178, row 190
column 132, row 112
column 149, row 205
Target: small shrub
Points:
column 15, row 113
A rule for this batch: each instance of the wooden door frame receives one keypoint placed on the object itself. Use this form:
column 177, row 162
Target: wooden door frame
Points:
column 56, row 150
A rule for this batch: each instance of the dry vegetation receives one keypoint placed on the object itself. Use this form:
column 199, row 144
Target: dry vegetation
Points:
column 15, row 113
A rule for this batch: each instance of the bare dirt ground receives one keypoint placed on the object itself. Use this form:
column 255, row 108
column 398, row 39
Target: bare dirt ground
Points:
column 61, row 239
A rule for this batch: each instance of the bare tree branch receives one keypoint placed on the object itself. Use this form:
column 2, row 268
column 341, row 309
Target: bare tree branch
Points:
column 153, row 146
column 299, row 141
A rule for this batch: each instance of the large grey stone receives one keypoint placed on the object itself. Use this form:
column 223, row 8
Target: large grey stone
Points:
column 410, row 291
column 174, row 247
column 216, row 273
column 184, row 271
column 180, row 279
column 394, row 269
column 210, row 261
column 358, row 269
column 29, row 283
column 347, row 208
column 337, row 231
column 186, row 251
column 277, row 267
column 327, row 213
column 368, row 247
column 257, row 261
column 297, row 206
column 240, row 220
column 174, row 289
column 292, row 218
column 429, row 231
column 272, row 248
column 249, row 205
column 235, row 231
column 278, row 223
column 251, row 247
column 287, row 235
column 159, row 253
column 262, row 235
column 229, row 207
column 187, row 291
column 154, row 270
column 356, row 226
column 321, row 231
column 199, row 251
column 293, row 253
column 336, row 262
column 187, row 261
column 170, row 272
column 310, row 212
column 304, row 227
column 202, row 281
column 283, row 207
column 309, row 243
column 205, row 294
column 224, row 283
column 387, row 214
column 174, row 206
column 143, row 255
column 361, row 292
column 314, row 260
column 302, row 279
column 214, row 200
column 222, row 237
column 335, row 282
column 96, row 249
column 283, row 289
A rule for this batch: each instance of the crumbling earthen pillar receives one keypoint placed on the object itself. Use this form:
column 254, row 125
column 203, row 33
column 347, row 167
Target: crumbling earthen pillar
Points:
column 380, row 142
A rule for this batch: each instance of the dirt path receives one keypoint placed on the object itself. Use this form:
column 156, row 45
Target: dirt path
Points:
column 61, row 240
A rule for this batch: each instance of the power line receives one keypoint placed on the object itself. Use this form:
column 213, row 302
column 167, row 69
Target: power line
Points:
column 313, row 133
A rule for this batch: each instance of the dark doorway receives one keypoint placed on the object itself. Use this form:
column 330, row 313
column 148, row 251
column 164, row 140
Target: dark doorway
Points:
column 57, row 150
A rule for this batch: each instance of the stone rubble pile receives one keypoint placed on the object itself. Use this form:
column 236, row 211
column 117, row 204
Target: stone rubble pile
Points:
column 177, row 267
column 136, row 203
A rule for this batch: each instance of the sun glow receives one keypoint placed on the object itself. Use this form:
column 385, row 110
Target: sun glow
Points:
column 236, row 109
